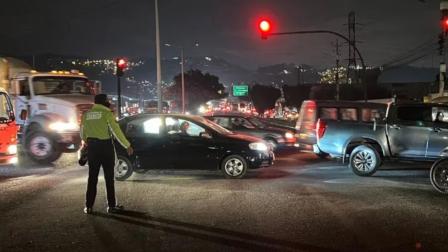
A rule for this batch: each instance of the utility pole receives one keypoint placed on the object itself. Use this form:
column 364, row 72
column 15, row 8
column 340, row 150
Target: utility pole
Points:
column 352, row 64
column 442, row 51
column 299, row 75
column 338, row 58
column 182, row 78
column 159, row 68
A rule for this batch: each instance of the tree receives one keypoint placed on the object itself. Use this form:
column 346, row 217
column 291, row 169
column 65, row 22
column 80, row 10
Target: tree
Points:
column 264, row 97
column 199, row 88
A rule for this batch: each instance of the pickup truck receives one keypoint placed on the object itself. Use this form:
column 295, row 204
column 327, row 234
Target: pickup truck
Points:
column 368, row 134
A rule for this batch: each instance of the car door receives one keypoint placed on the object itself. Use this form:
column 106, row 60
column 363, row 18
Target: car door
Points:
column 438, row 138
column 149, row 142
column 409, row 131
column 193, row 150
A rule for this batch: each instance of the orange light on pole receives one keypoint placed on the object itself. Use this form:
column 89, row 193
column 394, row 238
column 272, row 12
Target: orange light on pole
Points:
column 265, row 28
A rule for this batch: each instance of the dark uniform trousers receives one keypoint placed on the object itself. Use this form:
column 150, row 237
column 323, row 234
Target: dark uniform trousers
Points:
column 100, row 153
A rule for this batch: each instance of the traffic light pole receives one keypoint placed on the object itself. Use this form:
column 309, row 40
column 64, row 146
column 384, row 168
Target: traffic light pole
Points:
column 336, row 34
column 119, row 96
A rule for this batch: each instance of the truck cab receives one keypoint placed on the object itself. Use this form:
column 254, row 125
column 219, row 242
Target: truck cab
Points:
column 8, row 130
column 49, row 106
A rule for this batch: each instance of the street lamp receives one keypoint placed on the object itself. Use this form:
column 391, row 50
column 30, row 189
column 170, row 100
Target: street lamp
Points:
column 182, row 70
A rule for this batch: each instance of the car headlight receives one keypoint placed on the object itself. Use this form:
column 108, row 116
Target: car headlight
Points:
column 63, row 126
column 258, row 146
column 289, row 135
column 12, row 149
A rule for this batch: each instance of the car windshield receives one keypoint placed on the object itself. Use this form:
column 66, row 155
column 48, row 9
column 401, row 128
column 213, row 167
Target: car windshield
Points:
column 5, row 107
column 214, row 126
column 62, row 85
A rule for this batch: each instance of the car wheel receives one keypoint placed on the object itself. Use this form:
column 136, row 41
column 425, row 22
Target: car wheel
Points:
column 123, row 168
column 439, row 176
column 364, row 160
column 234, row 167
column 42, row 148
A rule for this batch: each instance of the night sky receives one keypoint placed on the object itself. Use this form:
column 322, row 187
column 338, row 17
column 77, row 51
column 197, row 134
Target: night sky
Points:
column 224, row 28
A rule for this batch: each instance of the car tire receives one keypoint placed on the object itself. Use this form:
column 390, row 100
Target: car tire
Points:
column 364, row 160
column 123, row 168
column 439, row 176
column 234, row 167
column 41, row 147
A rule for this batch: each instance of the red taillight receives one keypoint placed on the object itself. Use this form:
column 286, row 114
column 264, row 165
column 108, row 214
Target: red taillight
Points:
column 321, row 126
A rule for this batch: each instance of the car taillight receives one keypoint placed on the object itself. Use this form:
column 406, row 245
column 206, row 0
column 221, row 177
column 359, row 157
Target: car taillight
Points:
column 321, row 126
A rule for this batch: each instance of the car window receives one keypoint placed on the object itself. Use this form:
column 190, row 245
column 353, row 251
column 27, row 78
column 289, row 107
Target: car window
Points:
column 440, row 114
column 371, row 114
column 183, row 127
column 144, row 127
column 348, row 114
column 222, row 121
column 414, row 115
column 329, row 113
column 241, row 123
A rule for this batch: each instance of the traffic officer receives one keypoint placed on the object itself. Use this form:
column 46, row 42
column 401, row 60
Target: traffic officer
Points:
column 98, row 129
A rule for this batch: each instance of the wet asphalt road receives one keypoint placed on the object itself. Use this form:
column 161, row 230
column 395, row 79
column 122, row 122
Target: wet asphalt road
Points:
column 301, row 204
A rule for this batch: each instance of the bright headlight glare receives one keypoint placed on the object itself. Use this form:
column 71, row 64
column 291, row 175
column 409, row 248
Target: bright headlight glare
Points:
column 63, row 126
column 289, row 135
column 12, row 149
column 258, row 146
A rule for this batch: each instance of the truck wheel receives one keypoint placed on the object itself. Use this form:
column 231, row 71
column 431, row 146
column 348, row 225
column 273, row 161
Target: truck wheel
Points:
column 234, row 167
column 123, row 168
column 42, row 148
column 364, row 160
column 439, row 176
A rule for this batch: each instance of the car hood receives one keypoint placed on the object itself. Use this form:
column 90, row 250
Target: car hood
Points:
column 244, row 137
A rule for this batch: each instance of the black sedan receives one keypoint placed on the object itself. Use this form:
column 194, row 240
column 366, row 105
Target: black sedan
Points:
column 250, row 125
column 188, row 142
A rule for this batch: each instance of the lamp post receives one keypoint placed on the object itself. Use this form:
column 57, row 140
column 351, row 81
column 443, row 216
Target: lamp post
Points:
column 182, row 74
column 159, row 69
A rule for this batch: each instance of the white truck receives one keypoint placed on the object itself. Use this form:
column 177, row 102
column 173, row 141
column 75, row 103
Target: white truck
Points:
column 48, row 107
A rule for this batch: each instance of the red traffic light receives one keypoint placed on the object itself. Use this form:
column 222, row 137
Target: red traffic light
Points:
column 122, row 63
column 265, row 26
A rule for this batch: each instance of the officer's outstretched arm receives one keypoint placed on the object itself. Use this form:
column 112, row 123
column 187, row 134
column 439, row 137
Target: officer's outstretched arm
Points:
column 116, row 131
column 82, row 132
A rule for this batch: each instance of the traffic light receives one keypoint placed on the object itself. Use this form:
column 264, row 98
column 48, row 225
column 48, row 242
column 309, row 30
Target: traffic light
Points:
column 265, row 28
column 121, row 64
column 441, row 43
column 444, row 24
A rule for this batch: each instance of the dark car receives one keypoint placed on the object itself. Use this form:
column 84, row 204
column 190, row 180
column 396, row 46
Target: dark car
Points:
column 250, row 125
column 188, row 142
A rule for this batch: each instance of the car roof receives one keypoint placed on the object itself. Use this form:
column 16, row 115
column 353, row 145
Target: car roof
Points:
column 345, row 103
column 228, row 115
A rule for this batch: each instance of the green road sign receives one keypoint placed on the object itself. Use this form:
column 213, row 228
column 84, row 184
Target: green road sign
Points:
column 240, row 90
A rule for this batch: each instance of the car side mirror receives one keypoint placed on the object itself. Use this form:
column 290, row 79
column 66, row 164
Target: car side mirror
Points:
column 23, row 114
column 12, row 117
column 205, row 135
